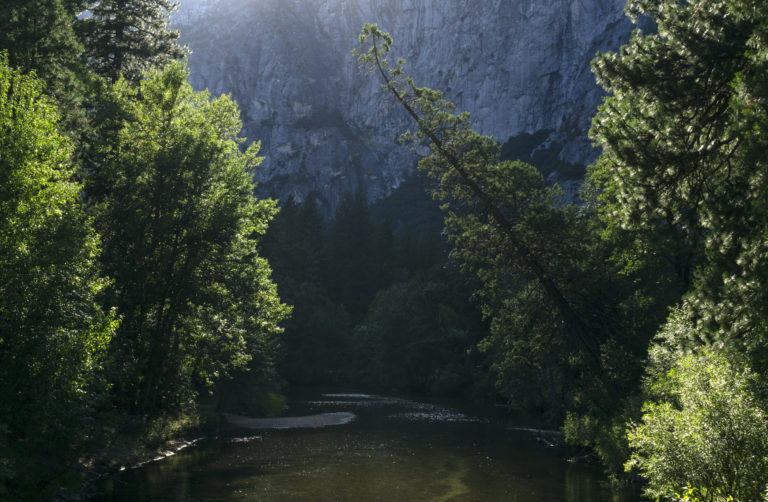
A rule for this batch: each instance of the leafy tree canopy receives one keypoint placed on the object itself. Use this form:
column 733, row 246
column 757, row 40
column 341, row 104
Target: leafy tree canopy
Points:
column 53, row 335
column 181, row 227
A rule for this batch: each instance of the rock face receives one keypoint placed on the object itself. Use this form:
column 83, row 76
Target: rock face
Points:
column 520, row 67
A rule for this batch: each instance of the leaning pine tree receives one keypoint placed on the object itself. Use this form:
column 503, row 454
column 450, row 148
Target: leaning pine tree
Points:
column 559, row 334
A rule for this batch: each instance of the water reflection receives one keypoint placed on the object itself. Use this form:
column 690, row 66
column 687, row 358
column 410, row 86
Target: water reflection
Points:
column 397, row 450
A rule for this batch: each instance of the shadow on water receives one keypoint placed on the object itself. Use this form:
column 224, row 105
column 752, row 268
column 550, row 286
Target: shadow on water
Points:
column 395, row 450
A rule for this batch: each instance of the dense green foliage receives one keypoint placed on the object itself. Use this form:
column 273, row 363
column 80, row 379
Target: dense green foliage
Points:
column 128, row 37
column 41, row 35
column 130, row 274
column 675, row 215
column 53, row 334
column 419, row 335
column 180, row 228
column 132, row 282
column 703, row 426
column 680, row 153
column 683, row 170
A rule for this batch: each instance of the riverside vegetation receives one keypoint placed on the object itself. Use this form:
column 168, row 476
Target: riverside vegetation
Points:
column 135, row 285
column 130, row 275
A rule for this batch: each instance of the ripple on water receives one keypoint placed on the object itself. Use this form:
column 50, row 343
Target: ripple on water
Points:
column 415, row 411
column 439, row 415
column 300, row 422
column 370, row 401
column 397, row 450
column 246, row 439
column 354, row 396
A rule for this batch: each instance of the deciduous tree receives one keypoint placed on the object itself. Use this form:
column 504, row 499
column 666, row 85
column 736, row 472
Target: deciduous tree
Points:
column 52, row 333
column 181, row 227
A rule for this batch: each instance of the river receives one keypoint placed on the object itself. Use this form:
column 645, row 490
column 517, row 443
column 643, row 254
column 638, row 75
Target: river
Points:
column 395, row 449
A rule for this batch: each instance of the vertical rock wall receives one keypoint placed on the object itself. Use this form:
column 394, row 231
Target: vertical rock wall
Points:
column 520, row 67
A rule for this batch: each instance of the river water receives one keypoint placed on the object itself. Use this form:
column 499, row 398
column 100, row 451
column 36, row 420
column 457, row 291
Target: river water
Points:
column 395, row 449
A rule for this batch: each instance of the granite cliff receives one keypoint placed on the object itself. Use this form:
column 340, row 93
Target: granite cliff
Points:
column 520, row 67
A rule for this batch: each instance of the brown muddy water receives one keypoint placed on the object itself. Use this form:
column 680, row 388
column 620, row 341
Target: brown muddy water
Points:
column 394, row 449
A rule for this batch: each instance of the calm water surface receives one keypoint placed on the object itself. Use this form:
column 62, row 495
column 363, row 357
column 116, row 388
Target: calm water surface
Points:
column 396, row 450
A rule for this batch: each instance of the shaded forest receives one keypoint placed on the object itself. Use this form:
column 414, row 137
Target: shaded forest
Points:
column 139, row 275
column 375, row 303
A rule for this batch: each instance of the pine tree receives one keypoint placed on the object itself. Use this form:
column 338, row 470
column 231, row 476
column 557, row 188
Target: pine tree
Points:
column 683, row 139
column 351, row 272
column 127, row 37
column 683, row 163
column 40, row 36
column 493, row 204
column 560, row 335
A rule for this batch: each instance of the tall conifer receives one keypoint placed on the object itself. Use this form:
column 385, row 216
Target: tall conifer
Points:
column 129, row 36
column 40, row 36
